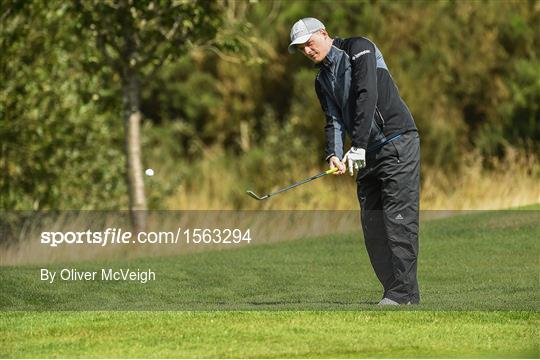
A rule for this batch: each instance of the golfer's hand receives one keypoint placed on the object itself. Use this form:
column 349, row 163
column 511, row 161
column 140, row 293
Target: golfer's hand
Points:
column 355, row 158
column 334, row 162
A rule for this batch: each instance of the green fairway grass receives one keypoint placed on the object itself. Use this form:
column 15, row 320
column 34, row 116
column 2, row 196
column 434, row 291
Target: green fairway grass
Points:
column 478, row 272
column 530, row 207
column 269, row 334
column 478, row 261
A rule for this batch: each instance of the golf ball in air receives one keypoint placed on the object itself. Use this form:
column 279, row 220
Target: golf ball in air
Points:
column 149, row 172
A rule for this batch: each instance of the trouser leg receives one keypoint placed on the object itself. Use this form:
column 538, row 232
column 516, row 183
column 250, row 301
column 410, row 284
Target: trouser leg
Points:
column 400, row 176
column 375, row 238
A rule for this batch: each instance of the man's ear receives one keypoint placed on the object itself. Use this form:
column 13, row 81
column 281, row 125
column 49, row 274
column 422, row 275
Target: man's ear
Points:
column 324, row 33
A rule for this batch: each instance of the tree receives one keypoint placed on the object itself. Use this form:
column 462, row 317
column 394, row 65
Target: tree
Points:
column 56, row 149
column 135, row 38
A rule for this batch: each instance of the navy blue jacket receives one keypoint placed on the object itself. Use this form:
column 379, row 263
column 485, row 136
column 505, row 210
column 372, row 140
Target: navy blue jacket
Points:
column 359, row 97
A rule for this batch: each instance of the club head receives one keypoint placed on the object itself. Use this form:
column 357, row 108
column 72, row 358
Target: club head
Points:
column 255, row 196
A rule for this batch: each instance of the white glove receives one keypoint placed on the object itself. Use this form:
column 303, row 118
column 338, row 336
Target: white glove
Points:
column 356, row 159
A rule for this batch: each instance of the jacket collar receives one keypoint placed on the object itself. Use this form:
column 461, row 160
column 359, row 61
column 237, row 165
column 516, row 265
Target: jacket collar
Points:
column 331, row 56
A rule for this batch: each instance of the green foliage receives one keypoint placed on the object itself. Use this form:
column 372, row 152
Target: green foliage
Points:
column 59, row 147
column 139, row 36
column 218, row 76
column 467, row 70
column 65, row 65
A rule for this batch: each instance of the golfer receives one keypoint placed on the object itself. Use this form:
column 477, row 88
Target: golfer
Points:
column 359, row 97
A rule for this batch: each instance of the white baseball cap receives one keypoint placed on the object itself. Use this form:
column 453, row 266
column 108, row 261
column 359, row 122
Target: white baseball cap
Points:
column 302, row 31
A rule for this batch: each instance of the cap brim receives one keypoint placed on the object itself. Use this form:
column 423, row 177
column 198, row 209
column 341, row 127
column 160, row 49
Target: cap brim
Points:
column 299, row 40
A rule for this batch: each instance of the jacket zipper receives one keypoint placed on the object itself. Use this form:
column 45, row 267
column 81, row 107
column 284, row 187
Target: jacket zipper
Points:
column 380, row 115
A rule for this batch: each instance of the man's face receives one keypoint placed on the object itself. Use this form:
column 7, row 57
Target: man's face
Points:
column 317, row 47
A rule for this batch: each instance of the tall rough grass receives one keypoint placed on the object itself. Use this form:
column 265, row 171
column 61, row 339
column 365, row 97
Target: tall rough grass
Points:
column 219, row 181
column 479, row 184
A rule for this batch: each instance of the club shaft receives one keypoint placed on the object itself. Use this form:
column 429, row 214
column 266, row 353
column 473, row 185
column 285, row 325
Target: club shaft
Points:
column 299, row 183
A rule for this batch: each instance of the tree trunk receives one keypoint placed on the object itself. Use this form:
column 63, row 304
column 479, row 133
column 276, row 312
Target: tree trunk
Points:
column 245, row 143
column 132, row 126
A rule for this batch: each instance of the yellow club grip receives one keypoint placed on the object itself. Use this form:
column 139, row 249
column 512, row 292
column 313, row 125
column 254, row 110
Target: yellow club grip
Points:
column 331, row 171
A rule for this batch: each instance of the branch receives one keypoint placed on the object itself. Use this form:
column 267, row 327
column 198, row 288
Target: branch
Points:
column 168, row 35
column 171, row 32
column 274, row 12
column 155, row 69
column 6, row 13
column 221, row 54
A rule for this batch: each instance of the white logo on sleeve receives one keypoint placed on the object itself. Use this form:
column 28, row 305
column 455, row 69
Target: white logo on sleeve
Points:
column 356, row 56
column 399, row 217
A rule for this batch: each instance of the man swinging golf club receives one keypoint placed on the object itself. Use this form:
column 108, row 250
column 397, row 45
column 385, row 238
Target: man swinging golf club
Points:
column 359, row 98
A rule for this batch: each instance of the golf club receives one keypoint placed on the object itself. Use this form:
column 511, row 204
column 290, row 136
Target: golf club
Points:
column 264, row 197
